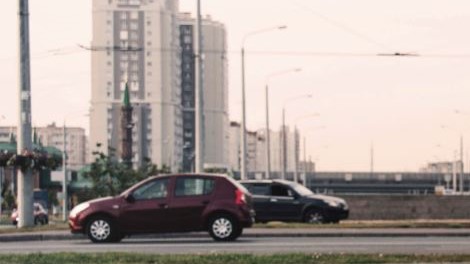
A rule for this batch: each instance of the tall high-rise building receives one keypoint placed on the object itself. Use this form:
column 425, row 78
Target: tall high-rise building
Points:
column 137, row 42
column 215, row 91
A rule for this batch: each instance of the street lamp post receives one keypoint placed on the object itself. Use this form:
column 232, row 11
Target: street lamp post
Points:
column 297, row 145
column 462, row 180
column 284, row 136
column 461, row 165
column 268, row 142
column 454, row 168
column 64, row 170
column 243, row 173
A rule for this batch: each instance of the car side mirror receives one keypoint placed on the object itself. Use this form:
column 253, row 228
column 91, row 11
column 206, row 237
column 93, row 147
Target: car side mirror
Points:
column 129, row 198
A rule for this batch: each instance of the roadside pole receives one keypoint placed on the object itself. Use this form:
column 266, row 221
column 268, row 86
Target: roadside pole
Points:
column 25, row 175
column 64, row 182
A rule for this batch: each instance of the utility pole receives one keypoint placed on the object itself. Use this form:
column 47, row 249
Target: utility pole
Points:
column 296, row 155
column 267, row 138
column 199, row 94
column 243, row 170
column 305, row 161
column 454, row 173
column 372, row 158
column 284, row 145
column 1, row 187
column 461, row 166
column 25, row 178
column 64, row 171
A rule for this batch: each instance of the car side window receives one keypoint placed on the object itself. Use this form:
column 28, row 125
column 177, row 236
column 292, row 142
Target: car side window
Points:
column 259, row 189
column 153, row 190
column 279, row 190
column 190, row 186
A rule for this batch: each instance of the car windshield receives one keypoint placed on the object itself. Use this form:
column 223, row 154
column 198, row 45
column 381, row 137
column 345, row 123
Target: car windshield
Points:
column 300, row 189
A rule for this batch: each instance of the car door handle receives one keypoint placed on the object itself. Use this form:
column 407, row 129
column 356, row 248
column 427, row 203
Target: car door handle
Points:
column 163, row 206
column 273, row 200
column 205, row 202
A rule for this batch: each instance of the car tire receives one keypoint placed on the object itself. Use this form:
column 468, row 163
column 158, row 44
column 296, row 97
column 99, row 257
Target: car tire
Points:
column 314, row 216
column 101, row 229
column 224, row 227
column 39, row 220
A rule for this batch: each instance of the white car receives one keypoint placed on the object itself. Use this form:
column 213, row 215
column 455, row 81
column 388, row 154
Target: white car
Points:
column 40, row 215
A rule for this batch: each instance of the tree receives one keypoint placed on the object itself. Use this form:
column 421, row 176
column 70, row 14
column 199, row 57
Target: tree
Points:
column 110, row 177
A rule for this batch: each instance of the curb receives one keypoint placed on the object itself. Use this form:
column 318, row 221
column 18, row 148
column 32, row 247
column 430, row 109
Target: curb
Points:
column 248, row 234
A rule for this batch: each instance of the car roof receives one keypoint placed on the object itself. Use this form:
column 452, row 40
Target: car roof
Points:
column 268, row 181
column 190, row 175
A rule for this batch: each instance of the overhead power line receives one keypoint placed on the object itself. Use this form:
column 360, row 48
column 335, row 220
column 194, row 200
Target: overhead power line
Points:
column 280, row 52
column 64, row 51
column 112, row 48
column 341, row 26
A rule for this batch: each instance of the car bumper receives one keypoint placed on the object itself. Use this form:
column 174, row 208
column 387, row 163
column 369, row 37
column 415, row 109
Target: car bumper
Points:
column 75, row 228
column 247, row 217
column 336, row 214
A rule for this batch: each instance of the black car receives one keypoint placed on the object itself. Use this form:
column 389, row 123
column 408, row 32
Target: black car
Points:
column 281, row 200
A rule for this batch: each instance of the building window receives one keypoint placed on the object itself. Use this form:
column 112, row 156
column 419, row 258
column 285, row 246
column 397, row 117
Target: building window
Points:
column 134, row 15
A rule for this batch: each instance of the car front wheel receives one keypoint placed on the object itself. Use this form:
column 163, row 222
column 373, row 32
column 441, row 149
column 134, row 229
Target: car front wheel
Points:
column 101, row 229
column 224, row 228
column 314, row 216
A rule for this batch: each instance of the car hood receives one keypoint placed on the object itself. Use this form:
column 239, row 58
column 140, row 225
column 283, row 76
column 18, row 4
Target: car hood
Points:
column 327, row 198
column 103, row 200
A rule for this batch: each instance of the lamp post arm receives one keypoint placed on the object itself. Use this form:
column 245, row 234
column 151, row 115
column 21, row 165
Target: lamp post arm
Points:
column 260, row 31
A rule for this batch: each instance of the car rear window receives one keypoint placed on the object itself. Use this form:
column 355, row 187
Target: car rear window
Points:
column 238, row 185
column 189, row 186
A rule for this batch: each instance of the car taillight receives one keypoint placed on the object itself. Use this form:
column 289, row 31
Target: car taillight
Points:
column 240, row 197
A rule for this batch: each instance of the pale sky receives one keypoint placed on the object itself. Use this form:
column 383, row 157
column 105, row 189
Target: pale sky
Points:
column 398, row 103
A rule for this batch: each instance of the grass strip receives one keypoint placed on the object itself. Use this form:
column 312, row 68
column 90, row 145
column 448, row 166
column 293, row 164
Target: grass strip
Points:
column 124, row 258
column 373, row 224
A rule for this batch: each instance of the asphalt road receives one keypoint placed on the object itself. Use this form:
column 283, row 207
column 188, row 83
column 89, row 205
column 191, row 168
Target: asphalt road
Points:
column 256, row 245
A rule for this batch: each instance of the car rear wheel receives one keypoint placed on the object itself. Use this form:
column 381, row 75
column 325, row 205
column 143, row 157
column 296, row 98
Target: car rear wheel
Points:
column 224, row 227
column 314, row 216
column 101, row 229
column 40, row 220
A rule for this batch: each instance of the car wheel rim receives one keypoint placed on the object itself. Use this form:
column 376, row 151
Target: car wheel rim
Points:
column 315, row 218
column 222, row 227
column 100, row 229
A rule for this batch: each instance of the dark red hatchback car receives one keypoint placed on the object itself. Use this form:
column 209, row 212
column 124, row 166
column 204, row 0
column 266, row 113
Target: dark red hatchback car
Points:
column 168, row 203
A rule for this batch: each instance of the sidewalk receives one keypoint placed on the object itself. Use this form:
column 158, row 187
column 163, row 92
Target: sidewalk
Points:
column 265, row 232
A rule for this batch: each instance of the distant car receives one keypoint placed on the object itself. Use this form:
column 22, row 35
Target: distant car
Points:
column 40, row 215
column 280, row 200
column 168, row 203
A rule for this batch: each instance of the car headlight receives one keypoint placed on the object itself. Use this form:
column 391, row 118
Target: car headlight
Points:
column 78, row 209
column 333, row 203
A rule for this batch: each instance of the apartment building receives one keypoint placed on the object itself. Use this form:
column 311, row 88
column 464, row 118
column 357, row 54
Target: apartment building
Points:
column 136, row 42
column 215, row 90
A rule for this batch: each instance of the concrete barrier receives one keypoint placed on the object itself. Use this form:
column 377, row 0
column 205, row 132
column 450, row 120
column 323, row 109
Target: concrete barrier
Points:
column 403, row 207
